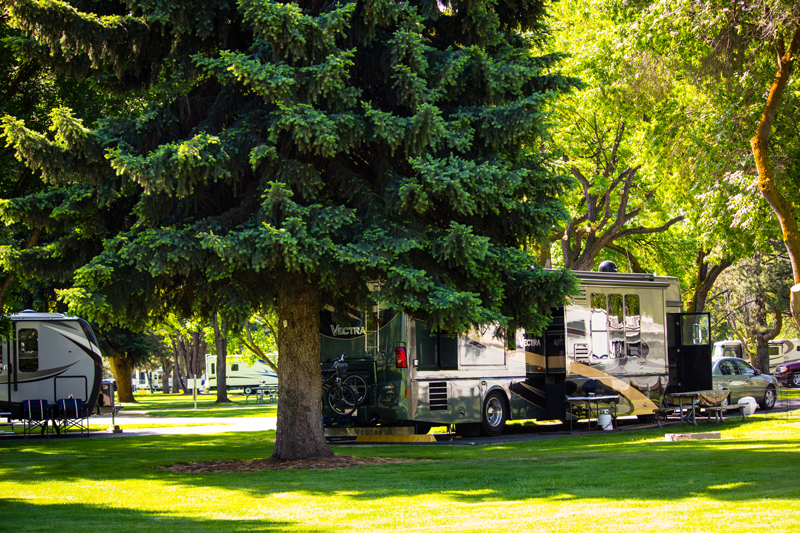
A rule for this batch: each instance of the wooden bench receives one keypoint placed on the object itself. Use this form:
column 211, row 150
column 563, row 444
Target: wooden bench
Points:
column 719, row 412
column 662, row 414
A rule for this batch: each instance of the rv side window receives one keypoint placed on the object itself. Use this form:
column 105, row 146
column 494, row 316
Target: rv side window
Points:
column 28, row 350
column 235, row 368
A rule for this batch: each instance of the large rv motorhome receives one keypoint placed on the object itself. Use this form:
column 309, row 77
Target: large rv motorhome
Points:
column 783, row 351
column 624, row 334
column 49, row 357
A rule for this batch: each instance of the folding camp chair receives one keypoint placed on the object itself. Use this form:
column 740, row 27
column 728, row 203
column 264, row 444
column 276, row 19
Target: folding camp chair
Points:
column 36, row 415
column 71, row 414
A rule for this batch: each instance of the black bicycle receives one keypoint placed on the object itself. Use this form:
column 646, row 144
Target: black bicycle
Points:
column 341, row 397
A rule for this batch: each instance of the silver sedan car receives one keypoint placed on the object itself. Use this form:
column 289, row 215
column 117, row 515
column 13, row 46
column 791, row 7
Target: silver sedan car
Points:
column 739, row 377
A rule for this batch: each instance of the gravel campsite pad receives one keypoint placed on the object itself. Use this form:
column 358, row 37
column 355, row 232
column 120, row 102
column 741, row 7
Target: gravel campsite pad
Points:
column 257, row 465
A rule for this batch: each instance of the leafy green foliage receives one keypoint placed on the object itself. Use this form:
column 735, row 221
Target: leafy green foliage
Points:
column 350, row 143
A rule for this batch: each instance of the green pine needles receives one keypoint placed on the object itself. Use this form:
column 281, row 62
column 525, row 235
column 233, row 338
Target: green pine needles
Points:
column 336, row 143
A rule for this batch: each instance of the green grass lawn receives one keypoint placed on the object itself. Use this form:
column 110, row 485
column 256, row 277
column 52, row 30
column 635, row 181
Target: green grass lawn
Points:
column 599, row 482
column 181, row 406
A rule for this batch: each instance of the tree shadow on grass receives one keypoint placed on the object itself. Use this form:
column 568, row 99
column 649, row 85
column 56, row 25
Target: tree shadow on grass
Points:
column 26, row 516
column 610, row 469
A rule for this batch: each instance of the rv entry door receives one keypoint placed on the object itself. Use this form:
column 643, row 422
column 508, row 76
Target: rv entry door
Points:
column 689, row 349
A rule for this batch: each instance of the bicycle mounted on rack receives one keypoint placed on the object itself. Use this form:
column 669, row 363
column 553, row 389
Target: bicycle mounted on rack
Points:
column 343, row 393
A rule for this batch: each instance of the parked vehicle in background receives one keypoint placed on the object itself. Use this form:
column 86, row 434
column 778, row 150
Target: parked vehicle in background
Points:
column 739, row 377
column 783, row 351
column 727, row 348
column 240, row 374
column 788, row 374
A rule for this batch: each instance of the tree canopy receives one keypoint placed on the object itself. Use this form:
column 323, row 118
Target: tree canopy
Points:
column 292, row 154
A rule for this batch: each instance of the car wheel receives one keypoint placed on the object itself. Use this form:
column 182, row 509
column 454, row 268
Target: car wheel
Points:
column 770, row 395
column 494, row 415
column 796, row 379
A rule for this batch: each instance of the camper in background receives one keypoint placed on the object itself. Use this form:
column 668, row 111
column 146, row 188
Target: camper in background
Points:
column 783, row 352
column 49, row 357
column 240, row 374
column 727, row 349
column 142, row 380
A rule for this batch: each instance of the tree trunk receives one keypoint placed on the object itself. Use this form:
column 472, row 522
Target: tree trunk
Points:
column 187, row 364
column 166, row 368
column 299, row 431
column 706, row 276
column 222, row 368
column 121, row 369
column 783, row 209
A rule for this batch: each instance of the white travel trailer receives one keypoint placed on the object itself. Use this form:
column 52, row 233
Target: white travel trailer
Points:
column 240, row 374
column 49, row 357
column 783, row 351
column 142, row 379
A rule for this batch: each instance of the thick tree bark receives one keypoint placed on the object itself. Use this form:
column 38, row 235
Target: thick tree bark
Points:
column 222, row 369
column 299, row 432
column 783, row 209
column 705, row 277
column 121, row 369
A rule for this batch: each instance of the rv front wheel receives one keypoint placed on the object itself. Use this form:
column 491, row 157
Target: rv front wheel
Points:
column 494, row 415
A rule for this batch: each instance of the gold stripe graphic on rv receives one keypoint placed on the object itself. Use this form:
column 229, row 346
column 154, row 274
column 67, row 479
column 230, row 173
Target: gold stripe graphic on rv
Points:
column 534, row 359
column 639, row 401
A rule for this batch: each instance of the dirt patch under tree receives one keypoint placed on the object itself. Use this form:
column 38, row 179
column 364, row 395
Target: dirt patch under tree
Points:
column 257, row 465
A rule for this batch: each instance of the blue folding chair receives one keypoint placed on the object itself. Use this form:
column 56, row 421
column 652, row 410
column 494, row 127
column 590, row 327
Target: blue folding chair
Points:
column 36, row 415
column 71, row 414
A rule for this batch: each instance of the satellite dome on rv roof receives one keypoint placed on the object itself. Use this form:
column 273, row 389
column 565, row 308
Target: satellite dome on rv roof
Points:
column 607, row 266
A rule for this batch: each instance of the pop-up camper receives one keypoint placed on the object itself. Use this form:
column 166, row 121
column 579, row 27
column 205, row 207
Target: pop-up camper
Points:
column 49, row 357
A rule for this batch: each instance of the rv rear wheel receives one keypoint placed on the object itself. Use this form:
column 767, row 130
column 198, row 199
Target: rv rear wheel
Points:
column 248, row 391
column 494, row 414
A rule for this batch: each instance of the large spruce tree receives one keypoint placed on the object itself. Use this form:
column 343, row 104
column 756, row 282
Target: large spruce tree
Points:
column 293, row 154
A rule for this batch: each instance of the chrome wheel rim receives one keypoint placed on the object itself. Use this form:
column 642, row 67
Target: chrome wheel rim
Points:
column 769, row 398
column 494, row 411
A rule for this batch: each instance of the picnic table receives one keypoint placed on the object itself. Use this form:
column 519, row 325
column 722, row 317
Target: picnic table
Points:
column 710, row 400
column 262, row 394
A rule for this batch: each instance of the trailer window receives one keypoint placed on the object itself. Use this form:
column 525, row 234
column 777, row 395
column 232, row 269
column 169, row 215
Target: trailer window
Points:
column 235, row 368
column 28, row 350
column 213, row 370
